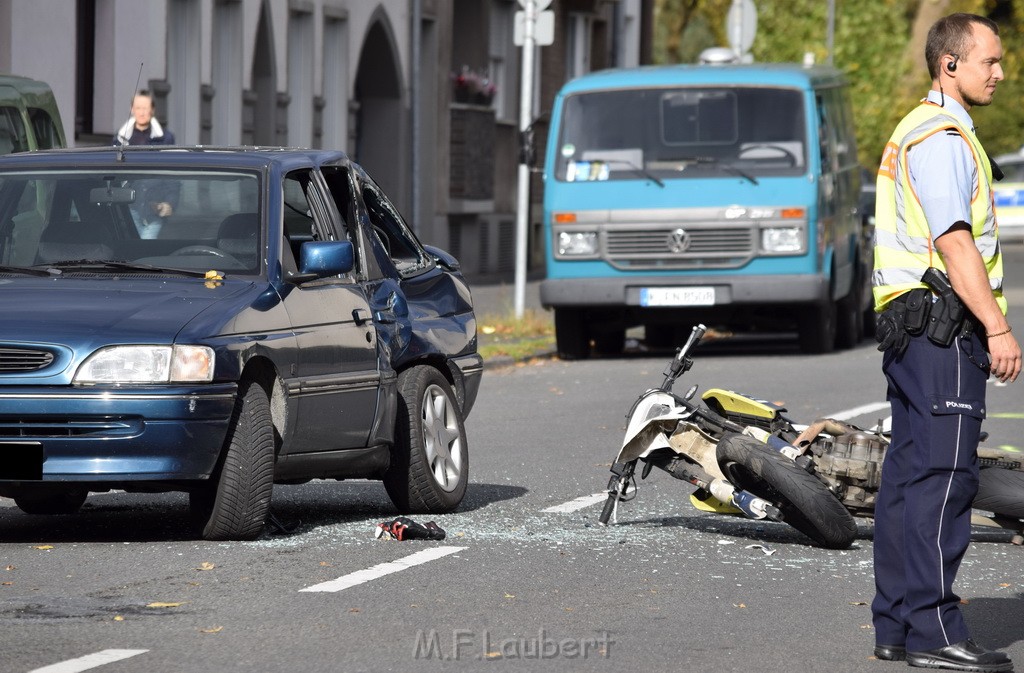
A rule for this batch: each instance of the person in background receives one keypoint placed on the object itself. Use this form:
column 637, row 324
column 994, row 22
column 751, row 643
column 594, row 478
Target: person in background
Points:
column 143, row 127
column 157, row 199
column 934, row 217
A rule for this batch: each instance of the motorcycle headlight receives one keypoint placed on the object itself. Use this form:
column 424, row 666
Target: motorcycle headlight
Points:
column 148, row 364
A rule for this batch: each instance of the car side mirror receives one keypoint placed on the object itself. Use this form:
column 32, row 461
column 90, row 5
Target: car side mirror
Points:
column 443, row 258
column 320, row 259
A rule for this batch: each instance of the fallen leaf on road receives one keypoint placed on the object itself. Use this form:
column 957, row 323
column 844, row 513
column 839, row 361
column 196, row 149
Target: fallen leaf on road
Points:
column 858, row 602
column 9, row 568
column 510, row 595
column 206, row 565
column 44, row 546
column 118, row 618
column 159, row 604
column 215, row 629
column 739, row 605
column 7, row 584
column 324, row 563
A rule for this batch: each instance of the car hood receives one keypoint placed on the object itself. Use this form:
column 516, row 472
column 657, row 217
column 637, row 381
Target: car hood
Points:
column 77, row 311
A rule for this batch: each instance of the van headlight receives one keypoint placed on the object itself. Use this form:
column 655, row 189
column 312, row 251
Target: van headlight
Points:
column 148, row 364
column 577, row 243
column 782, row 239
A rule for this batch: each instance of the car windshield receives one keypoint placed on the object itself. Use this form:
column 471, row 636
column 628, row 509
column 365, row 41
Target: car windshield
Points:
column 145, row 221
column 652, row 134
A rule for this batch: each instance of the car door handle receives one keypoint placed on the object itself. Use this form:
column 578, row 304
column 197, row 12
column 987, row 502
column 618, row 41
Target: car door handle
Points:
column 360, row 315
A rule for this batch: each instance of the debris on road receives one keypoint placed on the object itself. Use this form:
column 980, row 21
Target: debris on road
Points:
column 404, row 528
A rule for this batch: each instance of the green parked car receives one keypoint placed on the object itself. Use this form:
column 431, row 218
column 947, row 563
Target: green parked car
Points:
column 29, row 118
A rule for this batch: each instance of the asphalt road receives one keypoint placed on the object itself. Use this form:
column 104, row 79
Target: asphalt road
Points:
column 513, row 587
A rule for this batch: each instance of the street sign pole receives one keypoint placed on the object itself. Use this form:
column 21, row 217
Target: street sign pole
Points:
column 523, row 186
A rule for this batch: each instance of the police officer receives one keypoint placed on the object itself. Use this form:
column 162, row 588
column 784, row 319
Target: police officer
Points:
column 934, row 210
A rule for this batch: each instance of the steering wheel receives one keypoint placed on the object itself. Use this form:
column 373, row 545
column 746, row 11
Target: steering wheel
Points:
column 200, row 250
column 206, row 250
column 783, row 152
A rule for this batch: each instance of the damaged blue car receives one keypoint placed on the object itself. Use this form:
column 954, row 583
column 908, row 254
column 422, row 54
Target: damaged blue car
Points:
column 217, row 320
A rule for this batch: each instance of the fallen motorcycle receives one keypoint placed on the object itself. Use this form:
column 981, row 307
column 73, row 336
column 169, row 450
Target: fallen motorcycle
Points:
column 747, row 458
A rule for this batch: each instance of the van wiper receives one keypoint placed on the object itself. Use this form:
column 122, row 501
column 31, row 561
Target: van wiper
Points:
column 718, row 163
column 26, row 270
column 629, row 164
column 108, row 265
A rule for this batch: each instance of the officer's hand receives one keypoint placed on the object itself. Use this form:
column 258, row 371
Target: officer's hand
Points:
column 1005, row 353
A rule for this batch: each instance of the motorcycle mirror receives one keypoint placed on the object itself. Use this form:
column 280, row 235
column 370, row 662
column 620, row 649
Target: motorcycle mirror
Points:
column 690, row 393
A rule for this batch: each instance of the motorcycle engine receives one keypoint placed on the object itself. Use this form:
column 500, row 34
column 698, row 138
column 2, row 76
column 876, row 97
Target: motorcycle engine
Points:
column 852, row 463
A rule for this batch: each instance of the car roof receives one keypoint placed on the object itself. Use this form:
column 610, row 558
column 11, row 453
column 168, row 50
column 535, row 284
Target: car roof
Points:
column 153, row 156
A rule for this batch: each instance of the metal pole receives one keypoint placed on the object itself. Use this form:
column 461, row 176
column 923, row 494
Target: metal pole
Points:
column 830, row 40
column 417, row 102
column 523, row 186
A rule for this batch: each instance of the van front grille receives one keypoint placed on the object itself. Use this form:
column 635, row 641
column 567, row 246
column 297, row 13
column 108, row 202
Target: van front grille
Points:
column 679, row 247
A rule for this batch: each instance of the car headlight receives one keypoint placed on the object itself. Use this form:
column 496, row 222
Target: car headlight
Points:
column 577, row 243
column 148, row 364
column 782, row 239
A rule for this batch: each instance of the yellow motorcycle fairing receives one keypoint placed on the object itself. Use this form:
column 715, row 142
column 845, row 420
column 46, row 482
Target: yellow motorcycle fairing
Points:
column 730, row 403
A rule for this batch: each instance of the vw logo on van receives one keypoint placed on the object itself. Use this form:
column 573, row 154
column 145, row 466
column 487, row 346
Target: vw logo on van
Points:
column 678, row 241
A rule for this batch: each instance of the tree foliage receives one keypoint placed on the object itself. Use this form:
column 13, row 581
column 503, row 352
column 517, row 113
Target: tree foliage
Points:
column 879, row 44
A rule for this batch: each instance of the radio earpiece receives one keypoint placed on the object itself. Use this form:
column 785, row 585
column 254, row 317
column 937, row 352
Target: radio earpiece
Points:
column 951, row 66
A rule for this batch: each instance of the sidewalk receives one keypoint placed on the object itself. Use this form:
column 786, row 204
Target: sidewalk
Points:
column 495, row 295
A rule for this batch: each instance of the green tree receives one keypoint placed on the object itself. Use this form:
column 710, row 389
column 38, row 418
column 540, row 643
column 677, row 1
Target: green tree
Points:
column 879, row 44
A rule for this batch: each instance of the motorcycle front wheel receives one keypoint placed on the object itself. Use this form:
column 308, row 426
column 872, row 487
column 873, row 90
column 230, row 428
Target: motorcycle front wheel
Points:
column 806, row 504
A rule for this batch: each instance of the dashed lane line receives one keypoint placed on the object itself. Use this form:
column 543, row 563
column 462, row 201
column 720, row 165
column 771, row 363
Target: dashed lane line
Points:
column 88, row 661
column 363, row 576
column 577, row 504
column 858, row 411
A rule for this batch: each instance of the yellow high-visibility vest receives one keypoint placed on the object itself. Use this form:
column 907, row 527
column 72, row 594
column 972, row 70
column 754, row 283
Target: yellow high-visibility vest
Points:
column 903, row 243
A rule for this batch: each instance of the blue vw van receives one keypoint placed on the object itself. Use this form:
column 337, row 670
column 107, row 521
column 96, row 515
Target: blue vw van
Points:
column 724, row 194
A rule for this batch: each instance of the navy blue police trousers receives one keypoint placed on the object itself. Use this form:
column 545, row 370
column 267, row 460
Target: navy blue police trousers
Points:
column 929, row 479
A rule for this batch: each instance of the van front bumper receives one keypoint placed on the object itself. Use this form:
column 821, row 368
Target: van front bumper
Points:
column 733, row 290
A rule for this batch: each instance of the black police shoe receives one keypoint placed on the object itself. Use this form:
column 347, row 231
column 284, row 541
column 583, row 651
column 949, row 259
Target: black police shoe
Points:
column 963, row 656
column 890, row 652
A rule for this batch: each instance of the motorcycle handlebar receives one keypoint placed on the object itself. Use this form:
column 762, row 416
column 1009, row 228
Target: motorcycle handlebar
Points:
column 682, row 362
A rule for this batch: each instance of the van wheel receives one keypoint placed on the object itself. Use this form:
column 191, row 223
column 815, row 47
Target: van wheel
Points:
column 572, row 337
column 850, row 319
column 817, row 328
column 610, row 341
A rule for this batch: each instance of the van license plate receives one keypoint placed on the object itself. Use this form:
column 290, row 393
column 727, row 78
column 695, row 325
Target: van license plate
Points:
column 677, row 296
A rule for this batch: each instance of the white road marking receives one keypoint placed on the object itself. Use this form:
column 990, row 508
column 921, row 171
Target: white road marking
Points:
column 361, row 576
column 859, row 411
column 88, row 661
column 578, row 503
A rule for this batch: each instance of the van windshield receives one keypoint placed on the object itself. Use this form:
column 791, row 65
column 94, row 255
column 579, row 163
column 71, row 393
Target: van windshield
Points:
column 667, row 133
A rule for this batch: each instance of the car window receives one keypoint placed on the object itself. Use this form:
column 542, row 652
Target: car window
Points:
column 47, row 136
column 401, row 245
column 13, row 137
column 308, row 214
column 168, row 219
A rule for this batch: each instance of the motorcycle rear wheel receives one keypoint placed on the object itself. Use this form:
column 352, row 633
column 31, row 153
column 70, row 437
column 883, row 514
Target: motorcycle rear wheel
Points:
column 1001, row 491
column 806, row 504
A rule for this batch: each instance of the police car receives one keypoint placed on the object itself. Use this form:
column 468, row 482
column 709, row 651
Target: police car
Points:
column 1009, row 197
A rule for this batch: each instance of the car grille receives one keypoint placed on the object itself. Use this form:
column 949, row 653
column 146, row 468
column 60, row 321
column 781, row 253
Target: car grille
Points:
column 679, row 247
column 55, row 428
column 20, row 360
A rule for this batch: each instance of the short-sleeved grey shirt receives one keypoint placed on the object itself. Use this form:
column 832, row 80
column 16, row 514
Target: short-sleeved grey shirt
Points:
column 943, row 172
